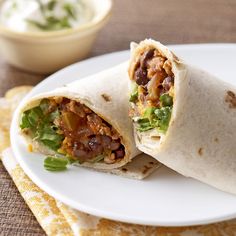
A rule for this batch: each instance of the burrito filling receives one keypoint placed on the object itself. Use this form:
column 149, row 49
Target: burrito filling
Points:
column 73, row 130
column 153, row 91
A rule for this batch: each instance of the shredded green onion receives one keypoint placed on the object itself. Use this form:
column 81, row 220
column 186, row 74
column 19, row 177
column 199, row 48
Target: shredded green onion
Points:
column 55, row 163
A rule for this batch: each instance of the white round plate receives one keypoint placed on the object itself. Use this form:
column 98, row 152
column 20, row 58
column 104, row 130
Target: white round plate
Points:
column 164, row 198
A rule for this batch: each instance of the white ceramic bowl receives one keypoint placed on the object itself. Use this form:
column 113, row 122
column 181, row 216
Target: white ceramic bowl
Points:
column 46, row 52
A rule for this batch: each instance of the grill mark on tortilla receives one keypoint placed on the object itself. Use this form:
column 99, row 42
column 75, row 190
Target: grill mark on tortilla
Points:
column 230, row 98
column 156, row 137
column 146, row 169
column 106, row 97
column 216, row 140
column 200, row 151
column 124, row 169
column 151, row 162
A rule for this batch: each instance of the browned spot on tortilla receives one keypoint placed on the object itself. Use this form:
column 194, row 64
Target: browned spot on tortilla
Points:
column 155, row 137
column 230, row 98
column 25, row 131
column 124, row 169
column 200, row 151
column 106, row 97
column 216, row 140
column 151, row 162
column 146, row 169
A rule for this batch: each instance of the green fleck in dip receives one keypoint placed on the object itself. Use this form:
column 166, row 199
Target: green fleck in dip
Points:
column 44, row 15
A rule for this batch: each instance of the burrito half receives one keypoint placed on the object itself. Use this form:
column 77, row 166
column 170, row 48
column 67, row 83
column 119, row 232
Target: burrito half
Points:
column 86, row 121
column 184, row 117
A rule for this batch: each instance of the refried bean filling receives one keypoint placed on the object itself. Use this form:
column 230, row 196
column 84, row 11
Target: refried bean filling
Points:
column 74, row 130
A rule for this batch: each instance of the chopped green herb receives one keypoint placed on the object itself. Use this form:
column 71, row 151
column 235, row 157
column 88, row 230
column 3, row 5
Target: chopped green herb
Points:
column 70, row 10
column 64, row 23
column 50, row 137
column 34, row 116
column 52, row 23
column 166, row 100
column 134, row 95
column 25, row 121
column 51, row 144
column 51, row 5
column 53, row 115
column 41, row 125
column 155, row 118
column 148, row 113
column 41, row 6
column 47, row 134
column 14, row 5
column 163, row 115
column 144, row 124
column 55, row 163
column 37, row 24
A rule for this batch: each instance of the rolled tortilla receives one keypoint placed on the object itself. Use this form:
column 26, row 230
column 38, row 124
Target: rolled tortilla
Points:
column 103, row 98
column 197, row 136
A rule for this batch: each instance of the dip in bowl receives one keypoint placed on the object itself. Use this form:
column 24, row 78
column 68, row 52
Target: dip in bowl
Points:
column 43, row 36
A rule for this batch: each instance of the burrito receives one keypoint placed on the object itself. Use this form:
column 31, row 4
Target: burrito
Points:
column 183, row 116
column 85, row 121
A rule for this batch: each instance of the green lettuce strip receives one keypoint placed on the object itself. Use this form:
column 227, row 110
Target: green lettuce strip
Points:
column 134, row 95
column 41, row 125
column 157, row 117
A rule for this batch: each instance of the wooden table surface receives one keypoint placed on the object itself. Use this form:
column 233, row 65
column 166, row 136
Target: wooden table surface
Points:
column 169, row 21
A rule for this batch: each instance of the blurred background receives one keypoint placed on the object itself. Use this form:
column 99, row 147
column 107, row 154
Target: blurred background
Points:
column 169, row 21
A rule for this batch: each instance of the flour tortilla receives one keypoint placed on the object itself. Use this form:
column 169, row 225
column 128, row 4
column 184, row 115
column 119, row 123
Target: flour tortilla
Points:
column 200, row 140
column 106, row 94
column 139, row 168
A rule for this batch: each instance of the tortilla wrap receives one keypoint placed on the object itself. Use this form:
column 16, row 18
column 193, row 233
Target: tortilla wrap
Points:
column 200, row 139
column 106, row 95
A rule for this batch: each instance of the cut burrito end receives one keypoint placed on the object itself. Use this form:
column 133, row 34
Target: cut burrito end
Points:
column 69, row 128
column 152, row 90
column 179, row 113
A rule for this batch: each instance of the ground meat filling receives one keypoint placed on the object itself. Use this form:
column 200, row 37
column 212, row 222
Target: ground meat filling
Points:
column 154, row 77
column 87, row 136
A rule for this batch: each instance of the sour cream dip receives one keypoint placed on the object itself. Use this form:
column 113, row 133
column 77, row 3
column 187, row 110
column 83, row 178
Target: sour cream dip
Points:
column 44, row 15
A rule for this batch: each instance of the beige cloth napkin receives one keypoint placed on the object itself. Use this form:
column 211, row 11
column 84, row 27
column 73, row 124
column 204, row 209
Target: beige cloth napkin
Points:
column 57, row 218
